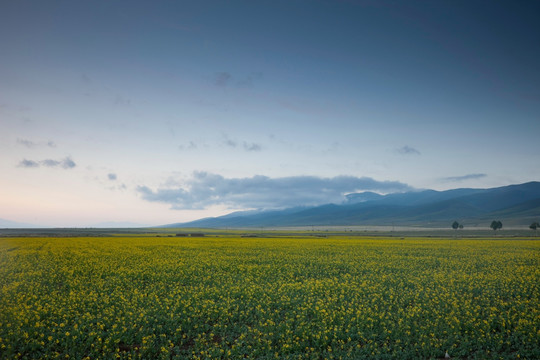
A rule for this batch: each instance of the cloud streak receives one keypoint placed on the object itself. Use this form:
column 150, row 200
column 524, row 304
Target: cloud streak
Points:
column 28, row 164
column 247, row 146
column 252, row 146
column 407, row 150
column 190, row 146
column 66, row 163
column 262, row 192
column 31, row 144
column 464, row 177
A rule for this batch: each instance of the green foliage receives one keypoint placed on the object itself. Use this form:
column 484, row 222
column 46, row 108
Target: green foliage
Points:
column 534, row 226
column 496, row 225
column 279, row 298
column 456, row 225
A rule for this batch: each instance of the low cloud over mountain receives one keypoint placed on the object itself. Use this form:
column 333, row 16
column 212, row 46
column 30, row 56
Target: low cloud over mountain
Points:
column 262, row 192
column 515, row 205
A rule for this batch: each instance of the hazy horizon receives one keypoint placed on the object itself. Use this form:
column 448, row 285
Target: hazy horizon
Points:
column 173, row 111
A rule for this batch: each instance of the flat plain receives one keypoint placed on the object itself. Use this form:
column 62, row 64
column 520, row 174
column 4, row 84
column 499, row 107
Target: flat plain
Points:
column 274, row 297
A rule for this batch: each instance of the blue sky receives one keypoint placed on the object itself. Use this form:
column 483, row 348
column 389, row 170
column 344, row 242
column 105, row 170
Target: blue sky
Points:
column 170, row 111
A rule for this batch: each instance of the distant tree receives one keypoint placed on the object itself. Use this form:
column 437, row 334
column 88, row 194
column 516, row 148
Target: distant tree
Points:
column 534, row 226
column 456, row 226
column 496, row 225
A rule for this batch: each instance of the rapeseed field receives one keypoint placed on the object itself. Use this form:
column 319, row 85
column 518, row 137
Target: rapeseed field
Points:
column 268, row 298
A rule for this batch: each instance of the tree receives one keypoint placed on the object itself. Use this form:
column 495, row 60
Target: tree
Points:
column 496, row 225
column 534, row 226
column 456, row 226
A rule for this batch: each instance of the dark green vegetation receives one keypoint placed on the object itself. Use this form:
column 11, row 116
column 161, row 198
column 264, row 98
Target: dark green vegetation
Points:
column 496, row 225
column 456, row 225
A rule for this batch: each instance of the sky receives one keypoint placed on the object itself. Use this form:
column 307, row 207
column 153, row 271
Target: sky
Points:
column 161, row 112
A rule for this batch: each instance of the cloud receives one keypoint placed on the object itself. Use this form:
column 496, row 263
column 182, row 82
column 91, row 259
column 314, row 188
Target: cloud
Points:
column 252, row 147
column 120, row 187
column 230, row 143
column 65, row 163
column 190, row 146
column 50, row 163
column 464, row 177
column 261, row 192
column 28, row 164
column 247, row 146
column 31, row 144
column 222, row 79
column 407, row 150
column 111, row 176
column 27, row 143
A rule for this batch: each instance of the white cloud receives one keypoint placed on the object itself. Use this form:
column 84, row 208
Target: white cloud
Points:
column 262, row 192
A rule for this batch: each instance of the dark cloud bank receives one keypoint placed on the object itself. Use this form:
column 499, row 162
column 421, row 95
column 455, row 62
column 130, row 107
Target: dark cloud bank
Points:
column 261, row 192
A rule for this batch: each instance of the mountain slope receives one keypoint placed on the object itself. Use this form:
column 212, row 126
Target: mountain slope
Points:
column 518, row 204
column 15, row 225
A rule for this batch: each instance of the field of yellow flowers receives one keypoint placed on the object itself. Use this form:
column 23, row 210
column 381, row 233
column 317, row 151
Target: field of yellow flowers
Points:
column 268, row 298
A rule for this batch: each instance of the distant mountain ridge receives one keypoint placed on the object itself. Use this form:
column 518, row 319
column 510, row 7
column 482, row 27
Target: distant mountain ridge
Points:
column 513, row 204
column 14, row 224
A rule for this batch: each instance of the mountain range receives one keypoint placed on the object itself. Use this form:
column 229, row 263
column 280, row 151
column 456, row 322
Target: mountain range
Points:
column 14, row 224
column 515, row 205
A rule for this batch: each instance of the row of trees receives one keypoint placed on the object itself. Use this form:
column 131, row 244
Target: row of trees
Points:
column 456, row 225
column 496, row 225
